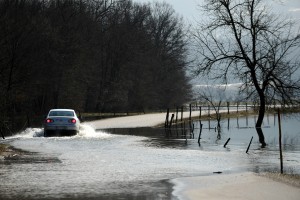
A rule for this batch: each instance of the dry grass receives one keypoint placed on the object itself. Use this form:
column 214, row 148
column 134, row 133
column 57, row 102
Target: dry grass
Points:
column 291, row 179
column 3, row 148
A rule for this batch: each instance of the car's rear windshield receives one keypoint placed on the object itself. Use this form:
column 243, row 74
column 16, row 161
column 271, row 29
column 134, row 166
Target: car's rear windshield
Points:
column 61, row 113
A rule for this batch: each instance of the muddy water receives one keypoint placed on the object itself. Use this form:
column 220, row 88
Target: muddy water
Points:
column 137, row 163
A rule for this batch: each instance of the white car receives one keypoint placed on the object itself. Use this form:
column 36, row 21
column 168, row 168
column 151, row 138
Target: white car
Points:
column 61, row 122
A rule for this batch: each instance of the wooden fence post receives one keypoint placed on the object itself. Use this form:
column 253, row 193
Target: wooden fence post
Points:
column 184, row 132
column 226, row 142
column 199, row 137
column 167, row 119
column 249, row 145
column 228, row 108
column 280, row 145
column 200, row 113
column 181, row 113
column 190, row 118
column 170, row 126
column 176, row 114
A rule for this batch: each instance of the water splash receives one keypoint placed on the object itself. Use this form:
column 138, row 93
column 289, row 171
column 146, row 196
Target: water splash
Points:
column 30, row 133
column 85, row 131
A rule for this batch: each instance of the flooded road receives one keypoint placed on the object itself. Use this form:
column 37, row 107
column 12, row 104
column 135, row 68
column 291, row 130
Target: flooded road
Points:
column 138, row 163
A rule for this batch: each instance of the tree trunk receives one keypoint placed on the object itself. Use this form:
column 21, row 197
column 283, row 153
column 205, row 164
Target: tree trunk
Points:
column 261, row 114
column 261, row 136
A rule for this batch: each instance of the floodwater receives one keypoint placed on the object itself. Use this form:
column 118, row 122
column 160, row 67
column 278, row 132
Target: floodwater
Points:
column 138, row 163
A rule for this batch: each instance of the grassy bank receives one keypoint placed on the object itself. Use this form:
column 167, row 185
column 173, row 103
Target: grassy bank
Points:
column 3, row 148
column 6, row 151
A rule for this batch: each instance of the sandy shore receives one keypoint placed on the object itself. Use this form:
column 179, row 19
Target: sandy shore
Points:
column 235, row 186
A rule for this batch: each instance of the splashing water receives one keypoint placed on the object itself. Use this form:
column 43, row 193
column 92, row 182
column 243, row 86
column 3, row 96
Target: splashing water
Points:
column 88, row 131
column 30, row 133
column 85, row 131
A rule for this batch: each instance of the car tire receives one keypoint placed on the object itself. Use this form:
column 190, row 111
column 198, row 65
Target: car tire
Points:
column 48, row 133
column 45, row 133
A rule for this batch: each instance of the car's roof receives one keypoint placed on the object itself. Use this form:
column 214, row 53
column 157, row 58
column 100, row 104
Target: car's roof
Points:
column 62, row 110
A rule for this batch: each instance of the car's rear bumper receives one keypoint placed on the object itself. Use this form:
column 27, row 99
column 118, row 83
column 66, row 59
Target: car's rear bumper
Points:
column 59, row 133
column 62, row 127
column 50, row 131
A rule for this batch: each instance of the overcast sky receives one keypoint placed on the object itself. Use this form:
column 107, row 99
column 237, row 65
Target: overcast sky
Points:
column 189, row 8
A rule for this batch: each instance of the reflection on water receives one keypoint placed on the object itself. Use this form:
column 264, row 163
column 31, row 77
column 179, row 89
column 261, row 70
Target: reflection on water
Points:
column 136, row 163
column 240, row 131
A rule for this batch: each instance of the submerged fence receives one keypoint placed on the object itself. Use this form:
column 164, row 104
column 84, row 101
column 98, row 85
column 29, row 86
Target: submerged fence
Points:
column 176, row 120
column 227, row 108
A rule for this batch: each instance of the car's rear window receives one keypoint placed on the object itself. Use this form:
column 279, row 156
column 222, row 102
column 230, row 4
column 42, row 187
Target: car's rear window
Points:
column 61, row 113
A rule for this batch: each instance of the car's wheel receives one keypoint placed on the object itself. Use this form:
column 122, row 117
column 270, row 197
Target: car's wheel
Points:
column 48, row 133
column 72, row 133
column 45, row 133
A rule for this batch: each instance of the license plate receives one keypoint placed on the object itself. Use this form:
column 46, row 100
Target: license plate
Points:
column 61, row 127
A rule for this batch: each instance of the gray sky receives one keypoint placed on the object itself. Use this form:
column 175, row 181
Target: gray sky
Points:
column 189, row 8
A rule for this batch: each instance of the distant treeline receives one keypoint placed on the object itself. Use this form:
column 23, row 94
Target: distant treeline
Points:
column 93, row 56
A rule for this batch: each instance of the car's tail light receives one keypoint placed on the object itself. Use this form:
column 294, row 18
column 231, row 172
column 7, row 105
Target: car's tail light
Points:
column 73, row 121
column 49, row 121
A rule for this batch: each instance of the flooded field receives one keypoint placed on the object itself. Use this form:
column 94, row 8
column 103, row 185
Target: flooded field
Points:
column 138, row 163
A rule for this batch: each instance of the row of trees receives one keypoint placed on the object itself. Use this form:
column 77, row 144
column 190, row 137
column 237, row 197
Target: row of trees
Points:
column 93, row 56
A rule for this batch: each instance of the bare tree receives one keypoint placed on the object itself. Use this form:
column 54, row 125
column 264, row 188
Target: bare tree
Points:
column 215, row 96
column 242, row 40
